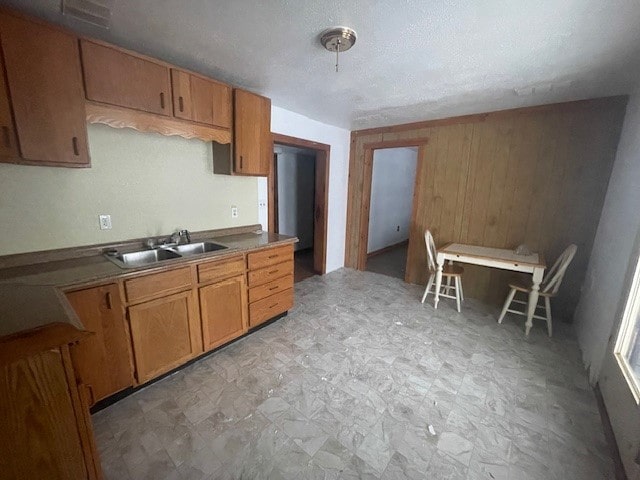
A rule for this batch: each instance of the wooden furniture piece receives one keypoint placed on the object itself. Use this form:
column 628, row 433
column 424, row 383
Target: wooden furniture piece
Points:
column 496, row 258
column 8, row 138
column 270, row 274
column 45, row 86
column 549, row 288
column 450, row 272
column 200, row 100
column 120, row 78
column 253, row 149
column 102, row 360
column 46, row 426
column 223, row 304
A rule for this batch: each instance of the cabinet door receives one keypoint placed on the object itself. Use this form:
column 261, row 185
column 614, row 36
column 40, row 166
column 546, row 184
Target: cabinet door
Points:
column 40, row 434
column 45, row 84
column 102, row 361
column 223, row 309
column 252, row 129
column 8, row 139
column 164, row 334
column 200, row 100
column 115, row 77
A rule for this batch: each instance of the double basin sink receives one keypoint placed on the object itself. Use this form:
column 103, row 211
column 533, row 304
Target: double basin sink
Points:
column 142, row 258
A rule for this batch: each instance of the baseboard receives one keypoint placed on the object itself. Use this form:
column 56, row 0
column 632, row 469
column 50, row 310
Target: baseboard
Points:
column 387, row 249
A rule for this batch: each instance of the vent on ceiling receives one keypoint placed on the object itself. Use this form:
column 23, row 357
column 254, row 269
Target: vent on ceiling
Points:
column 96, row 12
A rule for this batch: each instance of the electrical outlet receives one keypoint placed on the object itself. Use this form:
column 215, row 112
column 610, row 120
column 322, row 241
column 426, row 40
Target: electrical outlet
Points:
column 234, row 212
column 105, row 222
column 398, row 228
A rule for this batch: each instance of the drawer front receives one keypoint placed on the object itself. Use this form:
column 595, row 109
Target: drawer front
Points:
column 270, row 256
column 267, row 308
column 267, row 274
column 157, row 284
column 271, row 288
column 220, row 269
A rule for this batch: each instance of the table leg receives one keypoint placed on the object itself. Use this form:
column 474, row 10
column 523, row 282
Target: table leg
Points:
column 440, row 264
column 533, row 298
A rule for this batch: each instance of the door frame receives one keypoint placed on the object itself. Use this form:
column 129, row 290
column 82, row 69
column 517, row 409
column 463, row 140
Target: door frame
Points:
column 321, row 196
column 363, row 237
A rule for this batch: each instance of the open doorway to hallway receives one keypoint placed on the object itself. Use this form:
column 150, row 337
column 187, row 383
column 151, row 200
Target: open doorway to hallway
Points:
column 392, row 184
column 298, row 188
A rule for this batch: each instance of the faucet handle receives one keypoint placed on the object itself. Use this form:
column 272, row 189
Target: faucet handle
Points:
column 185, row 233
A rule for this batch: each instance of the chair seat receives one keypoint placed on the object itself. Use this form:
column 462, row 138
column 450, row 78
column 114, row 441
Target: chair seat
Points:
column 522, row 287
column 452, row 270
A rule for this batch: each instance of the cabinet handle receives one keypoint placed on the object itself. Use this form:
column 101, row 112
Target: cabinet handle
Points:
column 92, row 398
column 274, row 305
column 181, row 104
column 162, row 100
column 273, row 271
column 6, row 136
column 273, row 288
column 273, row 256
column 107, row 298
column 240, row 162
column 74, row 143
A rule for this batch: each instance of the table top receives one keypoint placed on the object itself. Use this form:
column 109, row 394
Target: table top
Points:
column 499, row 254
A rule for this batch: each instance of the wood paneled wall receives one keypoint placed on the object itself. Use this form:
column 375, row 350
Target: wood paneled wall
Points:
column 535, row 175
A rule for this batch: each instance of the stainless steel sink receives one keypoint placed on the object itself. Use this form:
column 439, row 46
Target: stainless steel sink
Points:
column 143, row 257
column 195, row 248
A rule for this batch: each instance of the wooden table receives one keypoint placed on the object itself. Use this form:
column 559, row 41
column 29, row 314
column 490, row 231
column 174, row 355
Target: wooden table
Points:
column 495, row 258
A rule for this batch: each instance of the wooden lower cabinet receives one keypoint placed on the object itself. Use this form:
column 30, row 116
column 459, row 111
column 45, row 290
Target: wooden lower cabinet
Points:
column 46, row 429
column 164, row 334
column 223, row 311
column 103, row 360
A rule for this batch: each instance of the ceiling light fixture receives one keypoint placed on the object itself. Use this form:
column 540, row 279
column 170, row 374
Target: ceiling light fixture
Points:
column 338, row 39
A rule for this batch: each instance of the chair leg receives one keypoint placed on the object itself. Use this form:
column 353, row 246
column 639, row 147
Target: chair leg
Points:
column 426, row 290
column 507, row 302
column 457, row 283
column 461, row 291
column 449, row 285
column 547, row 305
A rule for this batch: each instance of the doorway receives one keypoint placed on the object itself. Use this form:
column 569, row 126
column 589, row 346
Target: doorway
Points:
column 298, row 198
column 393, row 175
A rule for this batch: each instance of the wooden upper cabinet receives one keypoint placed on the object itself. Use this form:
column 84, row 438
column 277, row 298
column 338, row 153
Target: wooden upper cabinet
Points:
column 119, row 78
column 102, row 361
column 253, row 148
column 200, row 100
column 45, row 84
column 8, row 139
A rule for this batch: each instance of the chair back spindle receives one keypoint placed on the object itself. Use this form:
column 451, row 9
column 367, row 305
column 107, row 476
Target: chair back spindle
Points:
column 553, row 278
column 431, row 250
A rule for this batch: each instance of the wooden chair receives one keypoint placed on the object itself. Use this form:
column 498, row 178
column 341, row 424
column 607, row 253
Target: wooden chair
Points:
column 450, row 273
column 548, row 288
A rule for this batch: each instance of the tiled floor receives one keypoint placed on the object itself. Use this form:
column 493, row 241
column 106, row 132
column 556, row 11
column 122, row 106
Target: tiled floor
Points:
column 361, row 380
column 392, row 263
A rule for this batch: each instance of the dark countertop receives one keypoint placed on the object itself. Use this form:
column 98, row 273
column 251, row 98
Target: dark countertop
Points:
column 30, row 295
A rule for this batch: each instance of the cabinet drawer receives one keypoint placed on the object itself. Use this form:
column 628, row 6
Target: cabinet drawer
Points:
column 220, row 269
column 267, row 274
column 269, row 307
column 269, row 256
column 157, row 284
column 271, row 288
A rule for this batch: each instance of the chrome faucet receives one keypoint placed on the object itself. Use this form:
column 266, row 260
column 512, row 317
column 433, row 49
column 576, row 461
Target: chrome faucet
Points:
column 184, row 234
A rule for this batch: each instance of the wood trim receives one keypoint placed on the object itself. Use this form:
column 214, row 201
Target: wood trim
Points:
column 481, row 117
column 120, row 117
column 387, row 248
column 415, row 142
column 366, row 188
column 298, row 142
column 321, row 201
column 274, row 196
column 417, row 188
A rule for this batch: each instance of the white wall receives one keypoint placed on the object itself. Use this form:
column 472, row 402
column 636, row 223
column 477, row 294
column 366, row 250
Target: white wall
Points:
column 595, row 316
column 392, row 181
column 296, row 187
column 151, row 185
column 296, row 125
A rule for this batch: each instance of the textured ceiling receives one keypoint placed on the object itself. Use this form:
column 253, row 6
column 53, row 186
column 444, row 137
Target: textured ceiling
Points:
column 413, row 60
